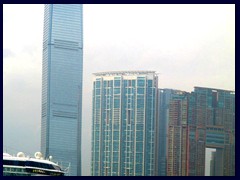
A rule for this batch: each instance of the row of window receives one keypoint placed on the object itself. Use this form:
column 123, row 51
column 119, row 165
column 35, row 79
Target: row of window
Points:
column 126, row 83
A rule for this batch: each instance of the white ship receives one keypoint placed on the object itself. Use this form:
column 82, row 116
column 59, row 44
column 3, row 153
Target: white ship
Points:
column 21, row 165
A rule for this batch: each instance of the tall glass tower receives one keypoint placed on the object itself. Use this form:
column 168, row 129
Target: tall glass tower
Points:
column 124, row 123
column 62, row 85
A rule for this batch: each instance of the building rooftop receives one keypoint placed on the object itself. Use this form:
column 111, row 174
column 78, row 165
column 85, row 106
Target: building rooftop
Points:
column 213, row 89
column 119, row 73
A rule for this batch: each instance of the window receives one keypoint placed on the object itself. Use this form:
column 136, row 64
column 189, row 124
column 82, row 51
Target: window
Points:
column 116, row 90
column 130, row 83
column 140, row 90
column 150, row 83
column 98, row 84
column 129, row 117
column 141, row 82
column 117, row 83
column 97, row 91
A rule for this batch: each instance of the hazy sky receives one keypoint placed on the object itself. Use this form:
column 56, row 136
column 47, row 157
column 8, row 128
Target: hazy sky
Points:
column 188, row 45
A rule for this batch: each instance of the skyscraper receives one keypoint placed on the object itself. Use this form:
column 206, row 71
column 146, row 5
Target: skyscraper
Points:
column 62, row 84
column 171, row 142
column 177, row 135
column 124, row 123
column 204, row 118
column 212, row 125
column 164, row 96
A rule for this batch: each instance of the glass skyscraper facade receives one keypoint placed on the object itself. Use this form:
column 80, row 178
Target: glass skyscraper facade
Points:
column 62, row 85
column 124, row 123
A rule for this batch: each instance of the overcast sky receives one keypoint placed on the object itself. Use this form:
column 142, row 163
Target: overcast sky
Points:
column 188, row 45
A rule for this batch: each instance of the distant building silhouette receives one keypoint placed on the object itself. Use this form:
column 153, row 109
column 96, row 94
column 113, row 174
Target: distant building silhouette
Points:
column 124, row 123
column 62, row 85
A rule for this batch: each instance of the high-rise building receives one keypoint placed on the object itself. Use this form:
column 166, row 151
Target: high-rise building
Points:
column 177, row 135
column 213, row 163
column 216, row 163
column 62, row 85
column 164, row 98
column 211, row 125
column 198, row 120
column 124, row 123
column 172, row 132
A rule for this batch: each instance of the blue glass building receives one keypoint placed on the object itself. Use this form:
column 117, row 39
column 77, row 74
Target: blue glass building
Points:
column 62, row 84
column 124, row 123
